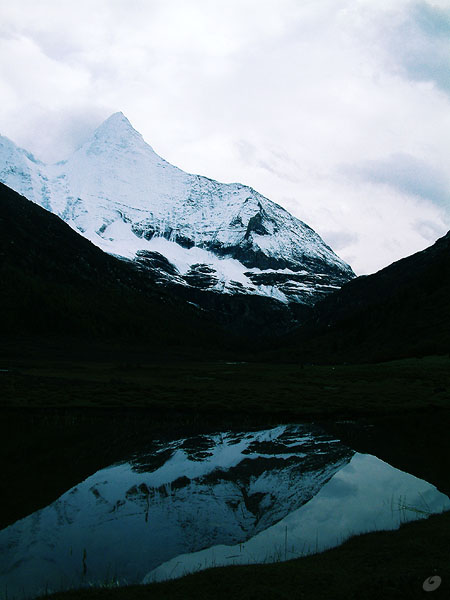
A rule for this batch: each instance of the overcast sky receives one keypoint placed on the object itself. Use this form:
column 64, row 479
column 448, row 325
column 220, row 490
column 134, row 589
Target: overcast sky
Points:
column 339, row 110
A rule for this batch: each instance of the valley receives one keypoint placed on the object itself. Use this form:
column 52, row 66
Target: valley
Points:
column 218, row 317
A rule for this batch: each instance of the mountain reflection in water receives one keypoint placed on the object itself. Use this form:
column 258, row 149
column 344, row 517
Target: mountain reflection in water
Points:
column 224, row 498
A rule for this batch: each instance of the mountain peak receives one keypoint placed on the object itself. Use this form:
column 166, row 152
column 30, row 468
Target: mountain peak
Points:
column 117, row 119
column 124, row 197
column 116, row 127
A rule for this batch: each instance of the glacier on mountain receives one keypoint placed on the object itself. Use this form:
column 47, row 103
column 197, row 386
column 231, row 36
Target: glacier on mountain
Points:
column 227, row 238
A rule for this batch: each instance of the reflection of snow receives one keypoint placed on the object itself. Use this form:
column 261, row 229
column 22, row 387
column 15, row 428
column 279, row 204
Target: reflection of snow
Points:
column 366, row 495
column 187, row 495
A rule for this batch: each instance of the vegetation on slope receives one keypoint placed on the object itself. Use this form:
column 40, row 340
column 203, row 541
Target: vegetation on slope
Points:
column 57, row 284
column 401, row 311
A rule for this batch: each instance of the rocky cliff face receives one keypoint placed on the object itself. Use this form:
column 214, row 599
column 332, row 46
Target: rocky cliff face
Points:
column 189, row 231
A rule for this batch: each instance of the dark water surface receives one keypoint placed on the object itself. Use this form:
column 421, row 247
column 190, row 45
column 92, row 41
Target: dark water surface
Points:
column 209, row 500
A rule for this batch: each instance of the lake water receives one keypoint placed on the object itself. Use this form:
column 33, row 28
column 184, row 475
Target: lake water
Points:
column 209, row 500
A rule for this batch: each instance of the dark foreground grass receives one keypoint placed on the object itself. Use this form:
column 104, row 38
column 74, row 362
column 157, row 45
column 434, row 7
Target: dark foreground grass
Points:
column 226, row 387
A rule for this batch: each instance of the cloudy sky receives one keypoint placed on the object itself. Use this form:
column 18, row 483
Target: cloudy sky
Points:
column 339, row 110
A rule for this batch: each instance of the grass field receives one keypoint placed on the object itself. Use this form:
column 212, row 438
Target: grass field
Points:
column 226, row 387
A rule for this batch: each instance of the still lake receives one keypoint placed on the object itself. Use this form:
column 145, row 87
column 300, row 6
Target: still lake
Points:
column 220, row 499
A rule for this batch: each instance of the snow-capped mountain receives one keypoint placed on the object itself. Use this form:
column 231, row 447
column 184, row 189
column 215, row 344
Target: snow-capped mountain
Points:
column 191, row 232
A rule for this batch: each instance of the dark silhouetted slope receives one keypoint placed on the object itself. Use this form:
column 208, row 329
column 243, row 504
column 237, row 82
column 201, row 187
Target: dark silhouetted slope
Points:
column 403, row 310
column 56, row 283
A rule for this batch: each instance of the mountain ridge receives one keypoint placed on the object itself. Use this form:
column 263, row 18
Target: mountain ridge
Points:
column 56, row 283
column 400, row 311
column 117, row 192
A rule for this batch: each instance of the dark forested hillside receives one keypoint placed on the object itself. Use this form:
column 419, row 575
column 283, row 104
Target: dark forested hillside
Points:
column 403, row 310
column 56, row 283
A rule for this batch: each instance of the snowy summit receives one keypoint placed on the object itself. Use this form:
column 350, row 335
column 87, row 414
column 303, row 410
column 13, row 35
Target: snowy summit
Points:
column 189, row 230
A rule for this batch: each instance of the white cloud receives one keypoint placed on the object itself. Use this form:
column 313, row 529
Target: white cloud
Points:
column 278, row 94
column 407, row 174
